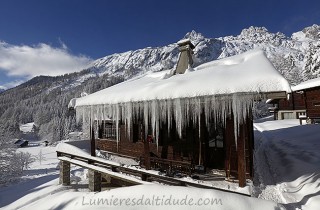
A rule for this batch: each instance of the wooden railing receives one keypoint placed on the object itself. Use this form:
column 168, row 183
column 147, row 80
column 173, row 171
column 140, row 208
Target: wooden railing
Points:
column 170, row 167
column 145, row 175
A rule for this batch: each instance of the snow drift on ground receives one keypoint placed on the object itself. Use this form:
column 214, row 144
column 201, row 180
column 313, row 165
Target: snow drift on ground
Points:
column 288, row 163
column 53, row 196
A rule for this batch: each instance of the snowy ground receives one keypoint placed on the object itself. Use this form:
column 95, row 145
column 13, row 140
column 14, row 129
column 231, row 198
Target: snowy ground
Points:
column 288, row 163
column 287, row 172
column 39, row 189
column 26, row 128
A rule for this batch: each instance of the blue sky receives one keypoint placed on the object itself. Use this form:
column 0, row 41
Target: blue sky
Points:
column 52, row 37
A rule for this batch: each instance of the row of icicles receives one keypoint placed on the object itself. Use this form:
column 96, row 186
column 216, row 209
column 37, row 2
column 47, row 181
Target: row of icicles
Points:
column 216, row 110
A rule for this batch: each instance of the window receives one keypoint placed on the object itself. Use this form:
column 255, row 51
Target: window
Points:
column 108, row 130
column 137, row 132
column 217, row 137
column 317, row 103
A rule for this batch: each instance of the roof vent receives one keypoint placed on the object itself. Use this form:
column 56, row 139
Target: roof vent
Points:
column 185, row 57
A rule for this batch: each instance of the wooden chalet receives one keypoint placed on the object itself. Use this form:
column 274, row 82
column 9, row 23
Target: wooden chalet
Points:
column 21, row 143
column 303, row 103
column 185, row 120
column 289, row 108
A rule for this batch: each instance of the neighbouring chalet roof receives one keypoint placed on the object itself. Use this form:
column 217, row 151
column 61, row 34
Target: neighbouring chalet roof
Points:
column 218, row 89
column 307, row 84
column 250, row 72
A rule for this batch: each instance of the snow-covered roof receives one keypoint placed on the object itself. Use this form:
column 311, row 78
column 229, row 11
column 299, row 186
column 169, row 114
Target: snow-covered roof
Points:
column 219, row 88
column 72, row 103
column 250, row 72
column 307, row 84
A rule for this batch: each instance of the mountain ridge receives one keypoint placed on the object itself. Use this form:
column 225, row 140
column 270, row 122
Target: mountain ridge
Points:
column 280, row 49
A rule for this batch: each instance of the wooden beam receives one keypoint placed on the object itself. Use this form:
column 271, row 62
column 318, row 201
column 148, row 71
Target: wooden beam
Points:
column 228, row 141
column 250, row 138
column 276, row 95
column 147, row 162
column 241, row 156
column 92, row 141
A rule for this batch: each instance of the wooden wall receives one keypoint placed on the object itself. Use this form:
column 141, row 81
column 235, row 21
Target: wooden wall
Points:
column 299, row 101
column 313, row 102
column 237, row 161
column 295, row 102
column 126, row 146
column 308, row 99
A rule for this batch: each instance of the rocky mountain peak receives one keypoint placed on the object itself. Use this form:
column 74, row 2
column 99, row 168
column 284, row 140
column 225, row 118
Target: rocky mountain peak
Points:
column 312, row 32
column 253, row 31
column 260, row 35
column 194, row 36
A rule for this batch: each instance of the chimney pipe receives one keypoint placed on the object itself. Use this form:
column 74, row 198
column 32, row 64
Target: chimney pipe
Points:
column 185, row 56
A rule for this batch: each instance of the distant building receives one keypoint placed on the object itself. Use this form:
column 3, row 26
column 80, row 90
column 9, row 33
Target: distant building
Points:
column 304, row 102
column 194, row 119
column 21, row 143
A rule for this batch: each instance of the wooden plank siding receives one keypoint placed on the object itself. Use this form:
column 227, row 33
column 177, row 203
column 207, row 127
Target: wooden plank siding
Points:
column 192, row 149
column 175, row 149
column 295, row 102
column 312, row 98
column 308, row 99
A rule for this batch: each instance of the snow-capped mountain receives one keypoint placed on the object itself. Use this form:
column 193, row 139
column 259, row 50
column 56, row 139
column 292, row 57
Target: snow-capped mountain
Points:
column 44, row 99
column 296, row 57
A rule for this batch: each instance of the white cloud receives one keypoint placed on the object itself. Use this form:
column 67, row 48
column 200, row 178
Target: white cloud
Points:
column 11, row 84
column 42, row 59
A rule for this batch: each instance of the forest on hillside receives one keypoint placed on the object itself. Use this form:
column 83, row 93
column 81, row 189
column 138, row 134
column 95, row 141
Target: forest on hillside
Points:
column 44, row 100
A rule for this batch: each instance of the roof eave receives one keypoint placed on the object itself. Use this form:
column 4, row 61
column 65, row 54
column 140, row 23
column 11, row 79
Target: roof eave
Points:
column 277, row 95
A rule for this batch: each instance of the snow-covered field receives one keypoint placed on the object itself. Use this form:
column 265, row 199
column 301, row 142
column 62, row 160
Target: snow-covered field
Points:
column 288, row 163
column 287, row 172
